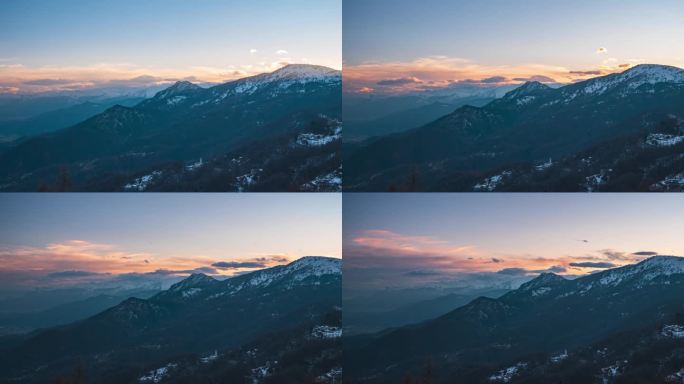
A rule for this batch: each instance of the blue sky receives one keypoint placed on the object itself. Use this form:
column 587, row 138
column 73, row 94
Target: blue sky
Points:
column 444, row 39
column 143, row 232
column 209, row 39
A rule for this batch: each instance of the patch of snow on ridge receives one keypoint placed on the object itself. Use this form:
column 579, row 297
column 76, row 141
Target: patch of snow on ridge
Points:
column 191, row 292
column 544, row 165
column 318, row 140
column 559, row 357
column 158, row 374
column 326, row 332
column 491, row 183
column 209, row 358
column 297, row 271
column 506, row 375
column 141, row 183
column 663, row 140
column 648, row 270
column 673, row 331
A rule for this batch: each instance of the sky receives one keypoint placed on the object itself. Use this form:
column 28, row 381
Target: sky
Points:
column 71, row 44
column 405, row 45
column 413, row 239
column 97, row 236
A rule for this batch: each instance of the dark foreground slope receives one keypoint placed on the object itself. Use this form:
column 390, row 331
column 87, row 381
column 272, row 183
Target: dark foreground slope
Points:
column 184, row 127
column 479, row 148
column 238, row 330
column 525, row 333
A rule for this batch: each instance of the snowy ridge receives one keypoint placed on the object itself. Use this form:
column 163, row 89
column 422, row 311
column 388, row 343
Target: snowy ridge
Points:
column 194, row 281
column 526, row 89
column 646, row 270
column 286, row 77
column 176, row 90
column 632, row 79
column 295, row 272
column 304, row 72
column 541, row 284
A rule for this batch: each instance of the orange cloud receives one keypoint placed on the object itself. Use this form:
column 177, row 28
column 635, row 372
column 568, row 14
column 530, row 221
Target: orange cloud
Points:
column 20, row 78
column 443, row 71
column 383, row 248
column 81, row 255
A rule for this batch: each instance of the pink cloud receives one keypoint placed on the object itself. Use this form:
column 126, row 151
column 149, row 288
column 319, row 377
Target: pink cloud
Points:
column 441, row 71
column 380, row 248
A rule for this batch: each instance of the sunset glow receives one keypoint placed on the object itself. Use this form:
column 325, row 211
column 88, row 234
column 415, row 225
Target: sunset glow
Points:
column 71, row 238
column 401, row 239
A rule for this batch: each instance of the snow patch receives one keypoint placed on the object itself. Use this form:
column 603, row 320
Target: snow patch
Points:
column 326, row 332
column 673, row 331
column 491, row 183
column 663, row 140
column 158, row 374
column 141, row 183
column 507, row 374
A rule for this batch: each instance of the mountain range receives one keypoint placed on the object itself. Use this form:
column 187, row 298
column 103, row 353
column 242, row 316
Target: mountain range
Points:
column 280, row 324
column 596, row 328
column 538, row 138
column 274, row 131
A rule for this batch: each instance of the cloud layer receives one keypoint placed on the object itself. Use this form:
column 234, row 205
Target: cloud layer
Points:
column 442, row 71
column 76, row 261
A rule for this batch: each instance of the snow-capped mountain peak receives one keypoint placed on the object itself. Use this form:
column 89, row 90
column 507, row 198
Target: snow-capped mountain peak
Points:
column 179, row 88
column 304, row 71
column 628, row 81
column 192, row 281
column 654, row 73
column 543, row 280
column 530, row 87
column 310, row 268
column 640, row 273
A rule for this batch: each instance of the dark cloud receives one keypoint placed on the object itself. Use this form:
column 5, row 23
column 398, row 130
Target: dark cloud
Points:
column 554, row 269
column 523, row 271
column 71, row 274
column 166, row 272
column 513, row 271
column 239, row 264
column 401, row 81
column 585, row 73
column 48, row 82
column 421, row 273
column 494, row 79
column 645, row 253
column 539, row 78
column 495, row 260
column 590, row 264
column 614, row 255
column 624, row 65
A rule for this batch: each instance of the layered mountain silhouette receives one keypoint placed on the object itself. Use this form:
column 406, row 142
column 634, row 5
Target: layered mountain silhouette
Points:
column 526, row 333
column 278, row 130
column 541, row 138
column 236, row 330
